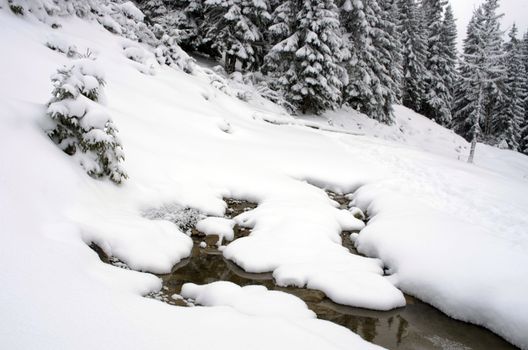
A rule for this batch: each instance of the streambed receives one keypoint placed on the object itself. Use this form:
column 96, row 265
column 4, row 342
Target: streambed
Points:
column 416, row 326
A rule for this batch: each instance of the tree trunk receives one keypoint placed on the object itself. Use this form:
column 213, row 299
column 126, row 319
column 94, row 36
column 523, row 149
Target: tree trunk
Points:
column 230, row 63
column 473, row 147
column 476, row 126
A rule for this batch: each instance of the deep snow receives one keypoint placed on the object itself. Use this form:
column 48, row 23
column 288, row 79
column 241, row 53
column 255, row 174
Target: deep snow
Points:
column 452, row 234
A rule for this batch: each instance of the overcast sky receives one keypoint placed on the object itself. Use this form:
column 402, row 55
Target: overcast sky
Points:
column 514, row 11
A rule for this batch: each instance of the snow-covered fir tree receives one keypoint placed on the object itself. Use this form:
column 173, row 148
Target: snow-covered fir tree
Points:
column 390, row 46
column 413, row 53
column 524, row 131
column 508, row 124
column 282, row 26
column 481, row 73
column 181, row 19
column 191, row 25
column 282, row 21
column 235, row 28
column 371, row 88
column 450, row 54
column 494, row 90
column 153, row 8
column 437, row 94
column 306, row 65
column 80, row 126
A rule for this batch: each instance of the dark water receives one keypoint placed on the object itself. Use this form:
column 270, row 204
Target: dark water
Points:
column 415, row 326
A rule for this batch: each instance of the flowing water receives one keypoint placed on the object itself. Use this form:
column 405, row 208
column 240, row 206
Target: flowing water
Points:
column 416, row 326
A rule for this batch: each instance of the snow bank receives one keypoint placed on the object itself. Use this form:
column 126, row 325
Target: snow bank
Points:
column 297, row 235
column 347, row 283
column 261, row 302
column 249, row 300
column 466, row 270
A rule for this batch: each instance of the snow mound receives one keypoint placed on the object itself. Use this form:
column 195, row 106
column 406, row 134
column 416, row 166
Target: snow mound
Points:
column 304, row 244
column 217, row 226
column 347, row 284
column 249, row 300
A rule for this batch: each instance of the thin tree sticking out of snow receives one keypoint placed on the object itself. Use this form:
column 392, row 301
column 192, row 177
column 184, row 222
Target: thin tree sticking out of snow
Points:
column 81, row 127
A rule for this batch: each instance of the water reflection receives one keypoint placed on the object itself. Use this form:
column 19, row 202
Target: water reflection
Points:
column 416, row 326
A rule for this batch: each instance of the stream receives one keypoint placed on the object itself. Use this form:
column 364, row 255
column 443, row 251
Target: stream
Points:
column 416, row 326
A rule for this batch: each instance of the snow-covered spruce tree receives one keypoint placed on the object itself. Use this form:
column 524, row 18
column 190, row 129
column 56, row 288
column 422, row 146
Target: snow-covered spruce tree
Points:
column 413, row 53
column 153, row 8
column 391, row 46
column 282, row 26
column 524, row 132
column 306, row 65
column 467, row 89
column 371, row 88
column 235, row 28
column 193, row 26
column 437, row 95
column 81, row 128
column 450, row 54
column 282, row 21
column 508, row 124
column 481, row 72
column 183, row 19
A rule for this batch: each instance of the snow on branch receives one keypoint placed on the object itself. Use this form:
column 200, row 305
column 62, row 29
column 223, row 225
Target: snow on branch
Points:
column 81, row 126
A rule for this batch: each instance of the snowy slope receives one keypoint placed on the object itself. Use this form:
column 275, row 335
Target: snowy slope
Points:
column 453, row 234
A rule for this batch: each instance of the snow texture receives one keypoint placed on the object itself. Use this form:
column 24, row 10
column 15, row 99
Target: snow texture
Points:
column 450, row 233
column 221, row 227
column 249, row 300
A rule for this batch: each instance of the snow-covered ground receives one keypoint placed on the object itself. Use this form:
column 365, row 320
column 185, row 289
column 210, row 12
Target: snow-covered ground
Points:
column 454, row 235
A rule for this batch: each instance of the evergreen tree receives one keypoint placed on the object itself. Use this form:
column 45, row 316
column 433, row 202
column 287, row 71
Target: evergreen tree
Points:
column 450, row 55
column 152, row 9
column 494, row 97
column 80, row 127
column 282, row 21
column 481, row 71
column 282, row 26
column 371, row 89
column 524, row 131
column 413, row 53
column 437, row 95
column 235, row 28
column 508, row 124
column 191, row 26
column 306, row 65
column 390, row 46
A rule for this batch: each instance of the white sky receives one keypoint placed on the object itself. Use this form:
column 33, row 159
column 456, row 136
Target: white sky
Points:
column 514, row 11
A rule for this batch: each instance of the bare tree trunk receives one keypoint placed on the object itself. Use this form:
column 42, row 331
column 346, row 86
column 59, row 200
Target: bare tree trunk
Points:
column 476, row 127
column 473, row 147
